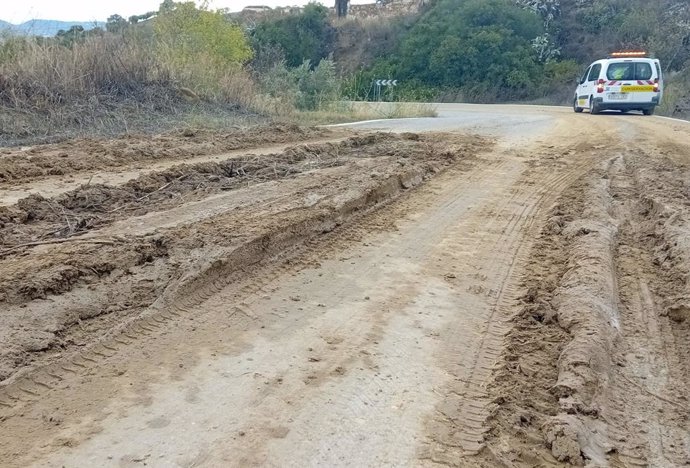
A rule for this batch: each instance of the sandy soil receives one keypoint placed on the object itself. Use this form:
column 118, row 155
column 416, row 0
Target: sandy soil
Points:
column 519, row 299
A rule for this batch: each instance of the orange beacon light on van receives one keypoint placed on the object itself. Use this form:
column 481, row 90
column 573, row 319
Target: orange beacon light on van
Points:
column 628, row 53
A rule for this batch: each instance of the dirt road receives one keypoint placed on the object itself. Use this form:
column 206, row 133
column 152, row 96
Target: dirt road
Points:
column 509, row 290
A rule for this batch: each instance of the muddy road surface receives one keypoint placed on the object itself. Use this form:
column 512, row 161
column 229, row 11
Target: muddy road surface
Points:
column 499, row 286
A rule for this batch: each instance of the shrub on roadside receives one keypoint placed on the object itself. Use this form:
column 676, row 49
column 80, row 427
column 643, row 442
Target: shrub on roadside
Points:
column 304, row 87
column 676, row 100
column 183, row 33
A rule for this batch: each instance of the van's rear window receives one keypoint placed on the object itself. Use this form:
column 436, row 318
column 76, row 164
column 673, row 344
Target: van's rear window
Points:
column 629, row 71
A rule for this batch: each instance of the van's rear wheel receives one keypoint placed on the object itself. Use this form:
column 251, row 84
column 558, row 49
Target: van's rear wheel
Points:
column 649, row 111
column 593, row 106
column 575, row 107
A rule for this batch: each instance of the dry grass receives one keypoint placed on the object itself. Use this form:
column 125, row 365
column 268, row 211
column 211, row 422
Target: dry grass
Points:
column 351, row 111
column 107, row 84
column 45, row 74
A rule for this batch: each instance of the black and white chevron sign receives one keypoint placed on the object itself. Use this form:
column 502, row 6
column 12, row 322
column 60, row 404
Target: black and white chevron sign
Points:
column 386, row 82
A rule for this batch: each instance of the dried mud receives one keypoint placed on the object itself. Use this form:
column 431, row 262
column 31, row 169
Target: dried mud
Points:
column 36, row 218
column 82, row 155
column 596, row 365
column 78, row 266
column 546, row 323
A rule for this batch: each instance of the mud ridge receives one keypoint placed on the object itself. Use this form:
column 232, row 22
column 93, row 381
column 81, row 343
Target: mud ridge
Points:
column 595, row 370
column 586, row 304
column 93, row 206
column 220, row 271
column 82, row 155
column 557, row 350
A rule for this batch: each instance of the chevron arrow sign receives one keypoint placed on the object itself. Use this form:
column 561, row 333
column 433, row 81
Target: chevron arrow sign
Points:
column 386, row 82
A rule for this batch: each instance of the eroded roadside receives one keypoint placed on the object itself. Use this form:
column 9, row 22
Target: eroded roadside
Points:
column 596, row 366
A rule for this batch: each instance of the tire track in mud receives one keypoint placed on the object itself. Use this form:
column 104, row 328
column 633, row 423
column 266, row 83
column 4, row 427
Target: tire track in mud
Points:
column 511, row 222
column 632, row 412
column 464, row 415
column 433, row 158
column 343, row 357
column 272, row 255
column 648, row 392
column 24, row 389
column 244, row 288
column 494, row 330
column 416, row 252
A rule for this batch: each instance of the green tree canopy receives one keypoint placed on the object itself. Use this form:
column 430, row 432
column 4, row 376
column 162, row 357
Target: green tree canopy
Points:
column 307, row 36
column 116, row 24
column 478, row 44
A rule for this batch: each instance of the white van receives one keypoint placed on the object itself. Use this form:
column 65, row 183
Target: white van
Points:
column 625, row 81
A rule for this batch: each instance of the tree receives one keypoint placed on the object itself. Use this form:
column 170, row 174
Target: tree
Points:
column 115, row 24
column 341, row 8
column 166, row 6
column 307, row 36
column 74, row 34
column 483, row 45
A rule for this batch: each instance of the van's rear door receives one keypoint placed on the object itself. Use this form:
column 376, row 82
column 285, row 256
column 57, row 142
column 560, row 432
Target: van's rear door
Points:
column 630, row 81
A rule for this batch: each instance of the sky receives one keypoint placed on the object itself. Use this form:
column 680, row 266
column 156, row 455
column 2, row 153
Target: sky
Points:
column 18, row 11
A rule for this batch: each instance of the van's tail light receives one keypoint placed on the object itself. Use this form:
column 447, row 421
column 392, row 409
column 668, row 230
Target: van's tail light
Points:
column 600, row 86
column 656, row 85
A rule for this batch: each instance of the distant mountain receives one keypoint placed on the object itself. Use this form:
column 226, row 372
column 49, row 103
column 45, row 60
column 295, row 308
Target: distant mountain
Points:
column 46, row 28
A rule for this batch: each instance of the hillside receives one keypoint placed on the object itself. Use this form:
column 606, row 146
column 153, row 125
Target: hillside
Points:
column 511, row 50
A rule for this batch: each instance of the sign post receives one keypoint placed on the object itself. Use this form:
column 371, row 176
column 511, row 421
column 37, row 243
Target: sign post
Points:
column 378, row 84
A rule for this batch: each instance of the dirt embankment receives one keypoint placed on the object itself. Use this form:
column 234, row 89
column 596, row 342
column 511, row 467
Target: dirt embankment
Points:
column 78, row 267
column 596, row 369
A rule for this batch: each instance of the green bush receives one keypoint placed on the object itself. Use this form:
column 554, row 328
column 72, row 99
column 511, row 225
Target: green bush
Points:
column 305, row 87
column 184, row 33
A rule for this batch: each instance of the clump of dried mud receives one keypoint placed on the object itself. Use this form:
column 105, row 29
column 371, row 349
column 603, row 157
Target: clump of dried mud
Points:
column 524, row 386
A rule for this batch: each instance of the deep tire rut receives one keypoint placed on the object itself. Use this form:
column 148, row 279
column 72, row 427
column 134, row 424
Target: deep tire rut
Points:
column 470, row 397
column 250, row 270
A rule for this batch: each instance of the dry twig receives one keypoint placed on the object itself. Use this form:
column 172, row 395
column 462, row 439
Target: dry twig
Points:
column 56, row 241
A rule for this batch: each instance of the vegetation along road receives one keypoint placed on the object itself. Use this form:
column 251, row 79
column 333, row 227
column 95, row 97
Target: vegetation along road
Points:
column 498, row 286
